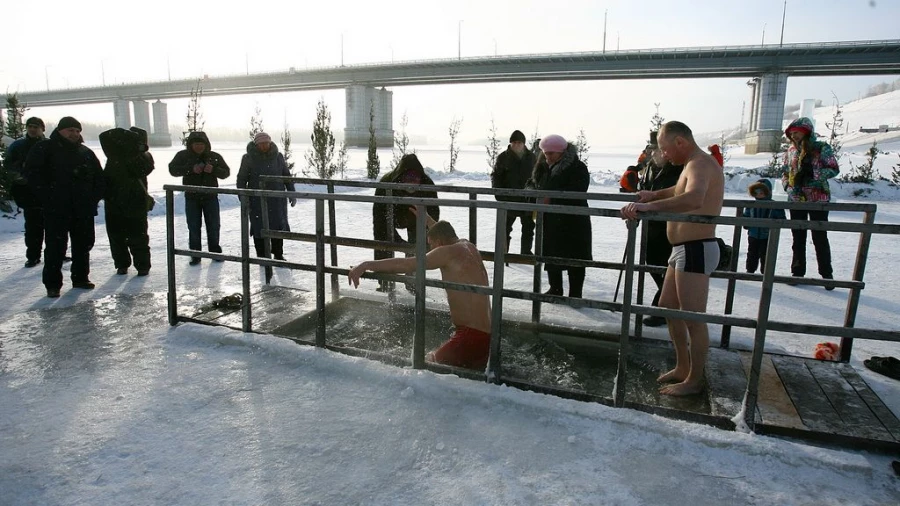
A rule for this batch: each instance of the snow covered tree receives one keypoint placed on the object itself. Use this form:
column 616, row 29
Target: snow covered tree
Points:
column 775, row 167
column 286, row 147
column 195, row 121
column 656, row 122
column 256, row 122
column 13, row 127
column 866, row 172
column 835, row 126
column 15, row 117
column 493, row 146
column 341, row 164
column 582, row 146
column 320, row 156
column 895, row 174
column 454, row 147
column 401, row 143
column 373, row 165
column 723, row 148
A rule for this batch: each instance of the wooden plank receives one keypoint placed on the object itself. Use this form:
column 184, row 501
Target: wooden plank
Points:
column 726, row 382
column 884, row 414
column 774, row 406
column 813, row 407
column 858, row 419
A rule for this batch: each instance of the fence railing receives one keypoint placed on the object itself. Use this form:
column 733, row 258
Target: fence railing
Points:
column 761, row 324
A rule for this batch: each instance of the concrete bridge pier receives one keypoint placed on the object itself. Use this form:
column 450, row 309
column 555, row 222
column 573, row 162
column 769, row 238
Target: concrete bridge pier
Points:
column 122, row 114
column 360, row 102
column 767, row 94
column 141, row 114
column 160, row 137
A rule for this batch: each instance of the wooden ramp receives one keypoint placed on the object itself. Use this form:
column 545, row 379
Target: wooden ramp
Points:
column 798, row 397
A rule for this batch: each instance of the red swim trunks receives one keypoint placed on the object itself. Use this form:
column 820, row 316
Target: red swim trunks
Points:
column 467, row 348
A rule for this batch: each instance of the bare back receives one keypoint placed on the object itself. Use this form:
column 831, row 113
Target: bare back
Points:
column 703, row 175
column 464, row 265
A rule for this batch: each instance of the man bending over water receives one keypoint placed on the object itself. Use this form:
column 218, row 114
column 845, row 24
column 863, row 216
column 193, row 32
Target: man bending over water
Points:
column 459, row 262
column 700, row 190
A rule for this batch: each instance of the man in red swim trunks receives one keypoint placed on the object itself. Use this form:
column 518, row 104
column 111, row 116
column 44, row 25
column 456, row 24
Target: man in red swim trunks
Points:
column 459, row 262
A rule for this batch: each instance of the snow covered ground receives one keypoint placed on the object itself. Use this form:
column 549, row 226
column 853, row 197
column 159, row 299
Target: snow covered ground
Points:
column 101, row 402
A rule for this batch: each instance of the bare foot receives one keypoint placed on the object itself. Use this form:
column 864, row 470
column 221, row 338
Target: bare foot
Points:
column 682, row 389
column 674, row 376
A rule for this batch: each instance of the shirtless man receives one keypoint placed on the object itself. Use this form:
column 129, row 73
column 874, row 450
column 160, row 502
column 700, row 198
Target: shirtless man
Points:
column 459, row 262
column 695, row 253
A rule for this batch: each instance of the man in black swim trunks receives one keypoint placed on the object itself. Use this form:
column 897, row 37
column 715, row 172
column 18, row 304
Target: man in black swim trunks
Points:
column 700, row 190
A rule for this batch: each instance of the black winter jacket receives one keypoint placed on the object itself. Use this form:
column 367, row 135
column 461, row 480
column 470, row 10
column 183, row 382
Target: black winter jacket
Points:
column 565, row 235
column 182, row 165
column 66, row 177
column 512, row 171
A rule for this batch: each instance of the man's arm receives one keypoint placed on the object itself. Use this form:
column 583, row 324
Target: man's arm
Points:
column 697, row 184
column 435, row 259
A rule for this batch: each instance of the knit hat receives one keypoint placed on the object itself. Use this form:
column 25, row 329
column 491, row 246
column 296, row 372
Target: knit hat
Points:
column 261, row 137
column 554, row 144
column 517, row 136
column 34, row 120
column 68, row 122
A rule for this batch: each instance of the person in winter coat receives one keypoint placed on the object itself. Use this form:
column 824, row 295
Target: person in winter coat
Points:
column 68, row 180
column 512, row 170
column 659, row 174
column 565, row 235
column 126, row 202
column 263, row 159
column 758, row 237
column 408, row 171
column 198, row 165
column 14, row 162
column 808, row 165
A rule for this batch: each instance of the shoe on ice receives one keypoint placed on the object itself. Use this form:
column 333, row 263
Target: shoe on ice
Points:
column 84, row 285
column 143, row 272
column 32, row 263
column 121, row 271
column 195, row 261
column 53, row 293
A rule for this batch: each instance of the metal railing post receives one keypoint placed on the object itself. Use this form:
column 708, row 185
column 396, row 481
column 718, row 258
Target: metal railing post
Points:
column 418, row 351
column 170, row 256
column 538, row 251
column 621, row 370
column 246, row 315
column 859, row 270
column 267, row 242
column 494, row 368
column 332, row 231
column 729, row 295
column 642, row 276
column 473, row 220
column 759, row 340
column 391, row 231
column 320, row 272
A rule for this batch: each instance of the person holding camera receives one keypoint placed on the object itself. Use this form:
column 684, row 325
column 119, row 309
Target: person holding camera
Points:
column 198, row 165
column 808, row 165
column 67, row 178
column 126, row 202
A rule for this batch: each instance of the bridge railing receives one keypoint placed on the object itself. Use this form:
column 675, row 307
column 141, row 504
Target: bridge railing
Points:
column 762, row 324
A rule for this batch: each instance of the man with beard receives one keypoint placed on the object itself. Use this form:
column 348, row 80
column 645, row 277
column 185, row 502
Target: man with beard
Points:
column 14, row 162
column 68, row 180
column 512, row 170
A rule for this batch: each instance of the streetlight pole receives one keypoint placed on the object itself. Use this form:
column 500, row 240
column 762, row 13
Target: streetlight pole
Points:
column 47, row 77
column 604, row 29
column 342, row 50
column 763, row 43
column 783, row 15
column 459, row 40
column 103, row 72
column 495, row 47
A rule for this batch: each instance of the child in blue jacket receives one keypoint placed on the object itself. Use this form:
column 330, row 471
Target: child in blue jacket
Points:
column 758, row 237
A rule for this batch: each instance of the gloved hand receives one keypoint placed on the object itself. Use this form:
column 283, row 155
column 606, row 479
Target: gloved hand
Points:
column 198, row 168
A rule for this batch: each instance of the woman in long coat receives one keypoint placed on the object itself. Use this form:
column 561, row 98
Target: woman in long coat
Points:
column 263, row 159
column 565, row 235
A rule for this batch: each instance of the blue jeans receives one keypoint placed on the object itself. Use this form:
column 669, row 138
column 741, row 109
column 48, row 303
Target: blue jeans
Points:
column 197, row 210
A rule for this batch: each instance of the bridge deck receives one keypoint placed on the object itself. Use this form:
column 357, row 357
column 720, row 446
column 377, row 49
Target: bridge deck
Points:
column 799, row 397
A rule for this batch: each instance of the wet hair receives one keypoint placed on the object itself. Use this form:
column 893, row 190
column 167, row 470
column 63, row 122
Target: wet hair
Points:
column 679, row 129
column 443, row 231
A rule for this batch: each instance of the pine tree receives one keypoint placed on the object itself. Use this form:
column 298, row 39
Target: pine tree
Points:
column 775, row 168
column 865, row 173
column 493, row 146
column 401, row 143
column 286, row 147
column 835, row 126
column 454, row 148
column 320, row 156
column 6, row 178
column 895, row 175
column 195, row 121
column 15, row 117
column 582, row 146
column 342, row 159
column 723, row 148
column 535, row 139
column 256, row 123
column 656, row 122
column 373, row 165
column 13, row 127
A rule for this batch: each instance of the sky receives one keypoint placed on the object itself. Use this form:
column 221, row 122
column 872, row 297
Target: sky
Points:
column 217, row 39
column 104, row 403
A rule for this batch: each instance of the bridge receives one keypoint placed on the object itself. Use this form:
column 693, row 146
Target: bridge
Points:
column 768, row 67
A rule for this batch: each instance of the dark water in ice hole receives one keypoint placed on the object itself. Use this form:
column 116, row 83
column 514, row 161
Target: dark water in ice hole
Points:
column 543, row 358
